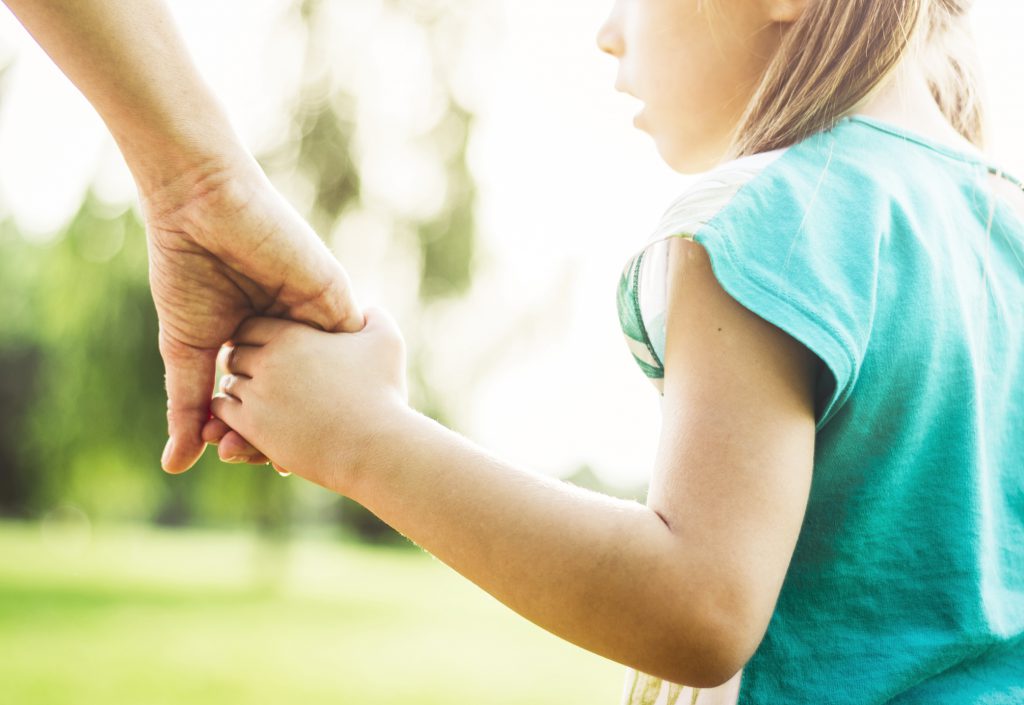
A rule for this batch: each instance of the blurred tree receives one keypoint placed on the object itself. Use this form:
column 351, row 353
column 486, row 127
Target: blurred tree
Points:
column 97, row 408
column 81, row 394
column 17, row 389
column 19, row 370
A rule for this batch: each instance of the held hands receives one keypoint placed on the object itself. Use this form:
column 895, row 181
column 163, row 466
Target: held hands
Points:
column 224, row 246
column 315, row 402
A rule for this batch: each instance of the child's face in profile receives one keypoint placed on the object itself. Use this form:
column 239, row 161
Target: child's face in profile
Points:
column 694, row 64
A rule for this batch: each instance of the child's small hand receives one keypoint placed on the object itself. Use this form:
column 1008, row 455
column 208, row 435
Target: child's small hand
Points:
column 313, row 401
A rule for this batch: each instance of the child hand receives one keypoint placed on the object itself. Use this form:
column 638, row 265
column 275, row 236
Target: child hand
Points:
column 311, row 401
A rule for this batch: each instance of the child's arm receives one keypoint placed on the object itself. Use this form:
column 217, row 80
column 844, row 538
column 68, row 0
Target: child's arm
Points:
column 682, row 588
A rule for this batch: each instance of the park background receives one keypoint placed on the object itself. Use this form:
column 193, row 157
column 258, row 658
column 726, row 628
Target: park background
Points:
column 473, row 169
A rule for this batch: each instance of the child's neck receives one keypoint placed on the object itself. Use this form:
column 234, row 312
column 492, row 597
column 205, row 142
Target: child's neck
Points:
column 907, row 102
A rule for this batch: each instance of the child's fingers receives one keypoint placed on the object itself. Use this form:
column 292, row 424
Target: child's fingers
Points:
column 235, row 449
column 214, row 430
column 234, row 386
column 227, row 409
column 224, row 357
column 259, row 331
column 243, row 360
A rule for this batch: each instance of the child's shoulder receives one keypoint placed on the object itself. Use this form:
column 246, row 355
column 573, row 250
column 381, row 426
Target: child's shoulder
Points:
column 707, row 194
column 837, row 173
column 786, row 232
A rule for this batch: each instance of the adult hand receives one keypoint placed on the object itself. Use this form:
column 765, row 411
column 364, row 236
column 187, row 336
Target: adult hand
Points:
column 224, row 246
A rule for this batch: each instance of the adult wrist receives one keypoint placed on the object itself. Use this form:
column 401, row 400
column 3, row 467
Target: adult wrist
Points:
column 193, row 192
column 178, row 163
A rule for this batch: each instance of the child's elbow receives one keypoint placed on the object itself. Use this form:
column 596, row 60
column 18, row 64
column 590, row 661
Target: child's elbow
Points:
column 708, row 652
column 709, row 670
column 720, row 671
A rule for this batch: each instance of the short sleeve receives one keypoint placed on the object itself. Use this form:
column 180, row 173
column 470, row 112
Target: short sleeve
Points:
column 642, row 290
column 793, row 236
column 798, row 245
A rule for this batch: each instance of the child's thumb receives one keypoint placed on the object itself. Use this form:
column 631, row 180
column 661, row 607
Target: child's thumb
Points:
column 387, row 344
column 379, row 320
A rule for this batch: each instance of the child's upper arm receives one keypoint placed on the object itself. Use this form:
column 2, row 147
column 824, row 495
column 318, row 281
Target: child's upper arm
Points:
column 737, row 444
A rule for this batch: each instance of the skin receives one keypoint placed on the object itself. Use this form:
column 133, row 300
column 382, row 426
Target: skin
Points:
column 223, row 244
column 694, row 64
column 684, row 587
column 681, row 588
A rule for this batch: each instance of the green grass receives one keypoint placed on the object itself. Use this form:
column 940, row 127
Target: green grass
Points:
column 131, row 615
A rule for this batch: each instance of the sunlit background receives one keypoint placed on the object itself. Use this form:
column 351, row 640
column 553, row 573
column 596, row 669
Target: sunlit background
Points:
column 473, row 169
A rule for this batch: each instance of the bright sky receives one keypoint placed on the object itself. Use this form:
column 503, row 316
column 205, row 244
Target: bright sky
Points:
column 568, row 189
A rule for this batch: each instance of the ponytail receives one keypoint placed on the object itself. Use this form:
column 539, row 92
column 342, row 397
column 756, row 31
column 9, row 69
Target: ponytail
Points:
column 951, row 65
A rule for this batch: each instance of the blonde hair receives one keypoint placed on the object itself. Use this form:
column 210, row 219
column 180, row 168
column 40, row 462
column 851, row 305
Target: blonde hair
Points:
column 839, row 52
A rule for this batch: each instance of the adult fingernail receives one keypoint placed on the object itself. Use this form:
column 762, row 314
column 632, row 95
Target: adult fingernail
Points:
column 168, row 450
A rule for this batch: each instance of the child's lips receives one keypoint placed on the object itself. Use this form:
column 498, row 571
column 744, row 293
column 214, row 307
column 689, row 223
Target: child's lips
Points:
column 639, row 113
column 622, row 89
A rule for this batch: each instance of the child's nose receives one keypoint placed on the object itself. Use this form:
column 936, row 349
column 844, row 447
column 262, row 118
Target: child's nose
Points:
column 609, row 38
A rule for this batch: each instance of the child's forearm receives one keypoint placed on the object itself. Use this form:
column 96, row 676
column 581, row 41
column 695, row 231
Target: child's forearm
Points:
column 604, row 573
column 128, row 59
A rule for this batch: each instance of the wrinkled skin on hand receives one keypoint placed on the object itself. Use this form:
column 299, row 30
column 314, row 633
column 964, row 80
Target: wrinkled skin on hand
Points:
column 224, row 246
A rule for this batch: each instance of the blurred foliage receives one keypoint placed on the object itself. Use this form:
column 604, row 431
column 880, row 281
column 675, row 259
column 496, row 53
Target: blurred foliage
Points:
column 81, row 395
column 446, row 243
column 96, row 403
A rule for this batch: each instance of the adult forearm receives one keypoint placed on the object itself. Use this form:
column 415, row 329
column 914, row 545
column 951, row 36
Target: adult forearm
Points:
column 129, row 61
column 604, row 573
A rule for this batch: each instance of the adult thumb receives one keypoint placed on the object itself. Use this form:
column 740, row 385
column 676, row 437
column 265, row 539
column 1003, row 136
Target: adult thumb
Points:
column 190, row 377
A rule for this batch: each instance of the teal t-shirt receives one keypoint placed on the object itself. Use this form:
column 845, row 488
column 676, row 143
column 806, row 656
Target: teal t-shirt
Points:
column 894, row 260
